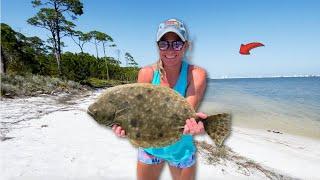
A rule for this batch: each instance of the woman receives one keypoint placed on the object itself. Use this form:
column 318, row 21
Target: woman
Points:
column 173, row 71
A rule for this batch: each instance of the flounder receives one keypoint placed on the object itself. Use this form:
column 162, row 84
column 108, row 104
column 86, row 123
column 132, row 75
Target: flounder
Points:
column 152, row 116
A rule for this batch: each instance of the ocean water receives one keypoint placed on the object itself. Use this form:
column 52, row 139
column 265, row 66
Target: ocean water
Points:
column 286, row 105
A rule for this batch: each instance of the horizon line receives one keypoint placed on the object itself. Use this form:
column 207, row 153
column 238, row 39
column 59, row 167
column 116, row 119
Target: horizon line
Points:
column 260, row 77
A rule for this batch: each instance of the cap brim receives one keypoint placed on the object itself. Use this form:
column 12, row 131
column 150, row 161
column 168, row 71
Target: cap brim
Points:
column 170, row 29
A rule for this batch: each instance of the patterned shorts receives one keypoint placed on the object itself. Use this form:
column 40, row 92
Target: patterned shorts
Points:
column 147, row 158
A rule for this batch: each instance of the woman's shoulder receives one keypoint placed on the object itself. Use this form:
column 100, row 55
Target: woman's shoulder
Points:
column 197, row 78
column 195, row 70
column 146, row 69
column 146, row 74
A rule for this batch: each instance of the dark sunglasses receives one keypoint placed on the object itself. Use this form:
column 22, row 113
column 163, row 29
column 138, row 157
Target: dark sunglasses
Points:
column 176, row 45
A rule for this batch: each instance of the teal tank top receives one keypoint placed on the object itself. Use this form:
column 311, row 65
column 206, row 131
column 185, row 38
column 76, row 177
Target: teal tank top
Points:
column 184, row 148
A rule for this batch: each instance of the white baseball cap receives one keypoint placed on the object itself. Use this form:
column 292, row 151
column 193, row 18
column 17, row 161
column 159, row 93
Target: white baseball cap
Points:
column 172, row 25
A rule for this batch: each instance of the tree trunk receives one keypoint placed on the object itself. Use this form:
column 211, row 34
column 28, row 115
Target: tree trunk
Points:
column 81, row 48
column 3, row 63
column 58, row 45
column 59, row 49
column 95, row 42
column 104, row 50
column 105, row 57
column 55, row 50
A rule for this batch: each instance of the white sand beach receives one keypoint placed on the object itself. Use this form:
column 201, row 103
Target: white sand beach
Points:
column 60, row 141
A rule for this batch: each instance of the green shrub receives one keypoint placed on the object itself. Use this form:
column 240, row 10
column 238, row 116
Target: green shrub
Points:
column 29, row 85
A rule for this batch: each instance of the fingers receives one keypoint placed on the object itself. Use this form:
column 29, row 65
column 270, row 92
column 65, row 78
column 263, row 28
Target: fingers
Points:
column 200, row 124
column 122, row 133
column 118, row 131
column 186, row 129
column 202, row 115
column 200, row 127
column 114, row 127
column 192, row 127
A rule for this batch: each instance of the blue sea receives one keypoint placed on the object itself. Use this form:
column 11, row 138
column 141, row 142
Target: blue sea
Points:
column 287, row 104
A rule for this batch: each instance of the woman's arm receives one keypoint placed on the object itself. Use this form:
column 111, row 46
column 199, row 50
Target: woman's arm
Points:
column 145, row 75
column 197, row 82
column 195, row 91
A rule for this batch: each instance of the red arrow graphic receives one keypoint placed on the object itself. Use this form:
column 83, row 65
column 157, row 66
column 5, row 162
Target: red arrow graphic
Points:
column 245, row 49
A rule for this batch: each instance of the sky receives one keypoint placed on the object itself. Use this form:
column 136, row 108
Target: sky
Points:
column 289, row 29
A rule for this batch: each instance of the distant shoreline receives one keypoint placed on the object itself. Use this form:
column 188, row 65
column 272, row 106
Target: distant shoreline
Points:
column 279, row 131
column 267, row 77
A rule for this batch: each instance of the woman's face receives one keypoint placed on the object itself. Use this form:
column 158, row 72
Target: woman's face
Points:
column 171, row 56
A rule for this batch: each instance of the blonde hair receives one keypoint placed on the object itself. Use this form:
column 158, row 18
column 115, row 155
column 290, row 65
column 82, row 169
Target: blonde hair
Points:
column 160, row 68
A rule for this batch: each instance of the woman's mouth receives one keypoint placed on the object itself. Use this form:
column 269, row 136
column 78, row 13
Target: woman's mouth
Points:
column 170, row 57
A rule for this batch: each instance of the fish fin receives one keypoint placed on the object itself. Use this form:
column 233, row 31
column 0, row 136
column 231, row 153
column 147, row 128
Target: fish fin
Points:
column 134, row 143
column 218, row 127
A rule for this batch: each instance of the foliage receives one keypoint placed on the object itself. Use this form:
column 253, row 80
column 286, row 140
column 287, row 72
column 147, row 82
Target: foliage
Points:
column 80, row 67
column 33, row 57
column 99, row 83
column 29, row 55
column 52, row 17
column 80, row 38
column 130, row 60
column 30, row 85
column 19, row 54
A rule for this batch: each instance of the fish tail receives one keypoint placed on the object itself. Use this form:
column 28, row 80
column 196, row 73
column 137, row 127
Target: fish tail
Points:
column 218, row 127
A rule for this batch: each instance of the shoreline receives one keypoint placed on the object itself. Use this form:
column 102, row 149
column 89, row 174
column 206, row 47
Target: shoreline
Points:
column 61, row 141
column 279, row 131
column 255, row 112
column 63, row 97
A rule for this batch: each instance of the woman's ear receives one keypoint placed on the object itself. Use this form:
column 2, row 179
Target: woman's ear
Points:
column 188, row 50
column 188, row 45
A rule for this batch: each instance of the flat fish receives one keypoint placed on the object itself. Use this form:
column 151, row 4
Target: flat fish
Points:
column 152, row 115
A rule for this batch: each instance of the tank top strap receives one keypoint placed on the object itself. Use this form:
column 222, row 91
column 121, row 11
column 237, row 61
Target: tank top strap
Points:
column 182, row 82
column 156, row 77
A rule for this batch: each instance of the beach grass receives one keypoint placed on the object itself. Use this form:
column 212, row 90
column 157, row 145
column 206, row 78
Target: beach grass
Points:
column 32, row 85
column 222, row 155
column 101, row 83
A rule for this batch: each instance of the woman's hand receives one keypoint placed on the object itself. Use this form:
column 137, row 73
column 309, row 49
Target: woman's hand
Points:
column 194, row 128
column 118, row 131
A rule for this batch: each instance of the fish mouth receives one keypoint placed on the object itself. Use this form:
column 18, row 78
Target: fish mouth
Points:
column 110, row 124
column 90, row 113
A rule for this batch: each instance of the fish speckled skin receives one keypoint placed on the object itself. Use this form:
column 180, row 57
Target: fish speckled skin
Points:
column 152, row 116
